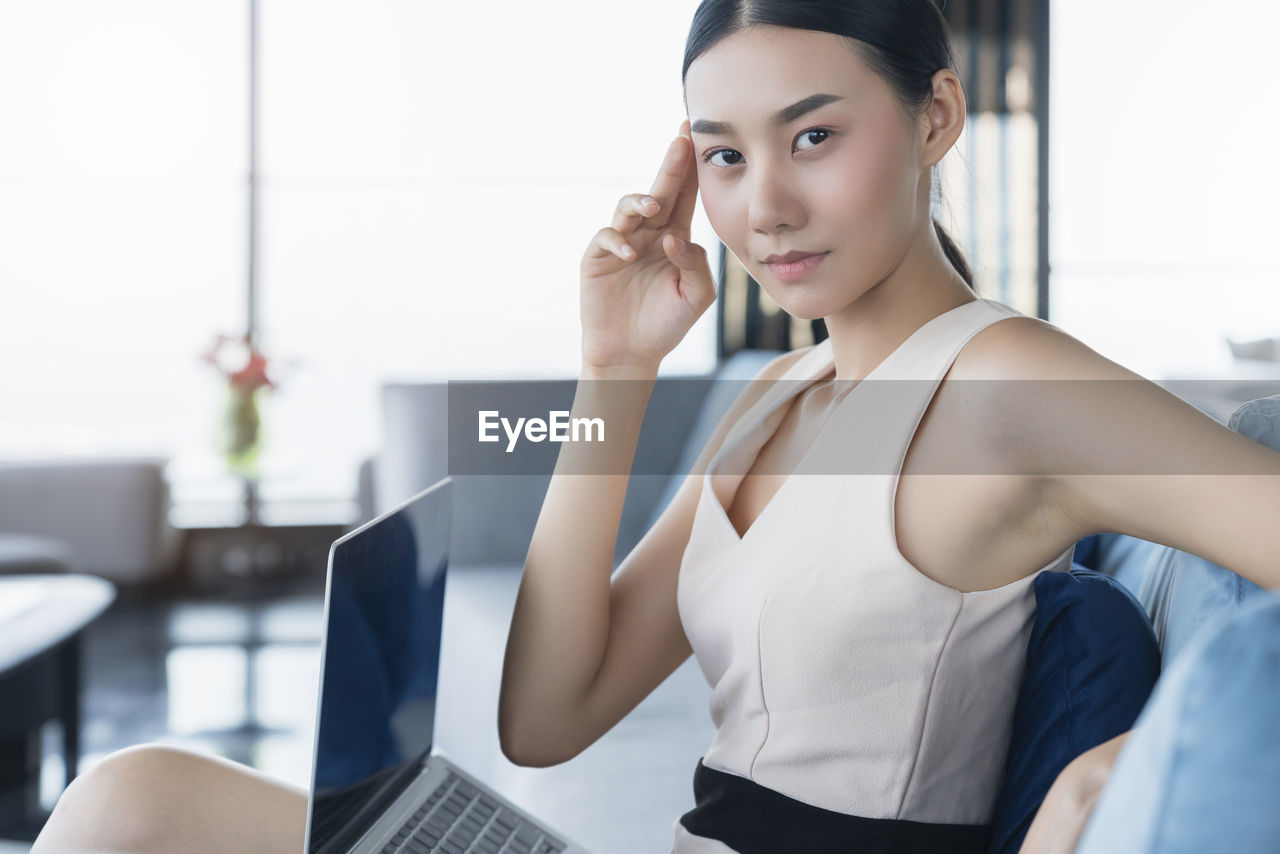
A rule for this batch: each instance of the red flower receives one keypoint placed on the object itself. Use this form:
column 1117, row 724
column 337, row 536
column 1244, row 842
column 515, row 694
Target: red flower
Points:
column 252, row 375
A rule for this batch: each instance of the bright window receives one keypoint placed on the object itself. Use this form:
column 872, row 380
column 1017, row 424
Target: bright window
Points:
column 431, row 174
column 1162, row 193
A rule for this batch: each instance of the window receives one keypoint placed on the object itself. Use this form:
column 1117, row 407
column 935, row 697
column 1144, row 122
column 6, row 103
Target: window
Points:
column 1161, row 184
column 430, row 175
column 121, row 164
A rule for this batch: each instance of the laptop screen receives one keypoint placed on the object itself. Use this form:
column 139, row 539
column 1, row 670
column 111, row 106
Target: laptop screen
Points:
column 381, row 660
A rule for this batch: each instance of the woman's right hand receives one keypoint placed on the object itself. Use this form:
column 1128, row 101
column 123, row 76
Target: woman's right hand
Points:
column 643, row 282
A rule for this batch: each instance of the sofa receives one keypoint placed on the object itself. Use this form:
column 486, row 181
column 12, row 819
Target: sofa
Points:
column 494, row 517
column 104, row 516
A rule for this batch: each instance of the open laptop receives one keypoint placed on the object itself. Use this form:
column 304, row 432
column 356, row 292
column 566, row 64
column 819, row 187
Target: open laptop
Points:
column 377, row 784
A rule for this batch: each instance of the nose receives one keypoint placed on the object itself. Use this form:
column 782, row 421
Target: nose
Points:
column 774, row 203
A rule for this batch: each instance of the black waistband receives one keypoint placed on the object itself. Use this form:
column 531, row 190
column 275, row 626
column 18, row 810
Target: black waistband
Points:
column 753, row 819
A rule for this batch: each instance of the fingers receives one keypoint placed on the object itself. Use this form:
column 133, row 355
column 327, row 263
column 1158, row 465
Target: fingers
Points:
column 610, row 242
column 687, row 196
column 680, row 252
column 671, row 176
column 670, row 201
column 696, row 285
column 631, row 211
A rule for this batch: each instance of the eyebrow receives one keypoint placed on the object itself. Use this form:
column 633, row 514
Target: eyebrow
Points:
column 780, row 118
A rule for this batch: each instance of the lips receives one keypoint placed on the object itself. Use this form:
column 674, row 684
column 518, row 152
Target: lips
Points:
column 790, row 257
column 794, row 266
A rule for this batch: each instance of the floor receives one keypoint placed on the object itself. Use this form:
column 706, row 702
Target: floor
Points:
column 237, row 677
column 226, row 676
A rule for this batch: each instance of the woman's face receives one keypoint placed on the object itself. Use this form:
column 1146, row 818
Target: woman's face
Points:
column 840, row 178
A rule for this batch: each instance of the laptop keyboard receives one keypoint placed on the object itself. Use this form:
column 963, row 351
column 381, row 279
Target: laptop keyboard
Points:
column 460, row 818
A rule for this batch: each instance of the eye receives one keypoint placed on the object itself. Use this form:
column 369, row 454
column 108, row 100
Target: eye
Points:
column 706, row 158
column 822, row 132
column 808, row 133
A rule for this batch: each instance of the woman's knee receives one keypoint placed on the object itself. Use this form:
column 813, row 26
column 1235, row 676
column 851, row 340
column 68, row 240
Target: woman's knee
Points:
column 121, row 803
column 159, row 798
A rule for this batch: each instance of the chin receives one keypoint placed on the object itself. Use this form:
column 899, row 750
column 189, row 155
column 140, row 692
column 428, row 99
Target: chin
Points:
column 806, row 302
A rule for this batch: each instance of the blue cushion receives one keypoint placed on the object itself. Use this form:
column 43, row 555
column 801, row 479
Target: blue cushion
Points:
column 1130, row 561
column 1086, row 551
column 1201, row 770
column 1092, row 661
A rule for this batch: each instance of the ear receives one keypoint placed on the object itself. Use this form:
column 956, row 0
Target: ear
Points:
column 943, row 119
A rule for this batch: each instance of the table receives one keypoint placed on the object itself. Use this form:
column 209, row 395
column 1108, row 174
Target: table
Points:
column 42, row 618
column 247, row 559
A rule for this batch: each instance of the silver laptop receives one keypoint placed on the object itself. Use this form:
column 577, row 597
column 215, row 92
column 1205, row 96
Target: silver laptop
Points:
column 377, row 783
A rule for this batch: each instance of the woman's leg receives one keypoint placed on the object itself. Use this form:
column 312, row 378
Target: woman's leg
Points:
column 155, row 798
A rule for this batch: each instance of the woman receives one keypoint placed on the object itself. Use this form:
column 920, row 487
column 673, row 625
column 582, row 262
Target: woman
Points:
column 813, row 130
column 861, row 635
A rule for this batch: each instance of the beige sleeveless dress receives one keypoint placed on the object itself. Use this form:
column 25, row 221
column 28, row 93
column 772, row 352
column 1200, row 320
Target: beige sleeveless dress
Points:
column 841, row 675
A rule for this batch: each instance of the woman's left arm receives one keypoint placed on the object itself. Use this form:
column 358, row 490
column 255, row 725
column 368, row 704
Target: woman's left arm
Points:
column 1119, row 453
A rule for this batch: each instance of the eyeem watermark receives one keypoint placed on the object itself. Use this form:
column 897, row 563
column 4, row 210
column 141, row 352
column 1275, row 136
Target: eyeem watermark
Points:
column 558, row 427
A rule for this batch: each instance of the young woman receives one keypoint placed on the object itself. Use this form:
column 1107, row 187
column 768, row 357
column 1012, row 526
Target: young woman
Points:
column 862, row 633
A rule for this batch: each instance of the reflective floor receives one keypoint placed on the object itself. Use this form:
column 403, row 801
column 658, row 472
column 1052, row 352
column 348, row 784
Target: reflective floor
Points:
column 232, row 678
column 238, row 679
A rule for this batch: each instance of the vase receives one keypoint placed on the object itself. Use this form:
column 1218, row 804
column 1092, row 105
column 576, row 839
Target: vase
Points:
column 241, row 436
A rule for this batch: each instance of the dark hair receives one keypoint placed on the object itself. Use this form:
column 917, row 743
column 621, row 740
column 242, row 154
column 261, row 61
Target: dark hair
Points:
column 905, row 42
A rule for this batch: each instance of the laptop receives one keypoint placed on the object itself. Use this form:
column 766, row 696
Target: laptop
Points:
column 378, row 784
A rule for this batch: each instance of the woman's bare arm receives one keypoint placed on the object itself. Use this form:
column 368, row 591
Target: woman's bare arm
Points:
column 585, row 649
column 1119, row 453
column 1122, row 454
column 561, row 621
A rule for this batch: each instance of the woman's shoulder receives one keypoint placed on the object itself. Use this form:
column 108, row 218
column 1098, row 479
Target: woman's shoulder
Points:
column 1012, row 407
column 1022, row 347
column 1020, row 415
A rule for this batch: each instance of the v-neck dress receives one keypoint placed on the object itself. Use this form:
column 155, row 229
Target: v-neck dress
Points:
column 852, row 695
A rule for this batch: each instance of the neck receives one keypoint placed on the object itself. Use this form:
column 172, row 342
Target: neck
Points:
column 921, row 287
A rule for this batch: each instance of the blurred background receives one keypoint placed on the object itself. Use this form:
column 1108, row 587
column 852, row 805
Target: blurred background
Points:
column 228, row 228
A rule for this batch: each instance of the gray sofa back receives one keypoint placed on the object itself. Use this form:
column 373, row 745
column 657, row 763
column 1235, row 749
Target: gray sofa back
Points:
column 494, row 515
column 108, row 516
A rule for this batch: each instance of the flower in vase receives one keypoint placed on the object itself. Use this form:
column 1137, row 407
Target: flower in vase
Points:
column 246, row 377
